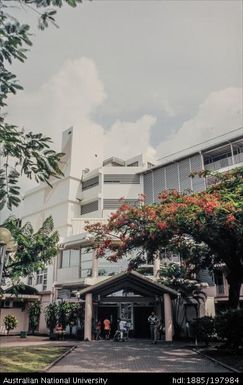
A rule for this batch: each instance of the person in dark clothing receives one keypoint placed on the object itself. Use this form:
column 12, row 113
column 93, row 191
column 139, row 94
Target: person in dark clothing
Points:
column 98, row 330
column 153, row 323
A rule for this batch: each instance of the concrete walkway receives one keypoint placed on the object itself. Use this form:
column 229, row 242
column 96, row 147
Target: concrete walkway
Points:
column 134, row 356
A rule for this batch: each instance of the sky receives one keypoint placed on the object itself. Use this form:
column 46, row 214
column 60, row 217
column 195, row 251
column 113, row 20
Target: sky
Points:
column 152, row 77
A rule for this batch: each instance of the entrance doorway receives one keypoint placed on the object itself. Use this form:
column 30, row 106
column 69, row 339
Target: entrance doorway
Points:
column 110, row 312
column 141, row 326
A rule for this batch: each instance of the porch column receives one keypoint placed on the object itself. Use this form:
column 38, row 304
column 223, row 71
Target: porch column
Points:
column 88, row 317
column 168, row 318
column 156, row 266
column 94, row 265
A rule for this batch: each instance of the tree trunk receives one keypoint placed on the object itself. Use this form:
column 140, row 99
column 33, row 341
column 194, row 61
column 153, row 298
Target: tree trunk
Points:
column 234, row 282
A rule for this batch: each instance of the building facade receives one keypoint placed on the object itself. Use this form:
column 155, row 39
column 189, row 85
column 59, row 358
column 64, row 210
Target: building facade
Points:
column 89, row 192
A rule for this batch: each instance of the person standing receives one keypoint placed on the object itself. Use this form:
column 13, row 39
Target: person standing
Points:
column 98, row 330
column 122, row 328
column 153, row 323
column 107, row 328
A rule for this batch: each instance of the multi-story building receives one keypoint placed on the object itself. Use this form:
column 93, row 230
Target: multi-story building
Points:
column 220, row 154
column 90, row 190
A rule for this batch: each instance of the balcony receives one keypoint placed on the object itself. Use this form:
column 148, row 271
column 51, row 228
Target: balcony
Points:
column 222, row 163
column 79, row 224
column 221, row 290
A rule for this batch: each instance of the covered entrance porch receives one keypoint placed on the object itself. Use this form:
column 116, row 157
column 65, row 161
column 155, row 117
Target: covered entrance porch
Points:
column 132, row 297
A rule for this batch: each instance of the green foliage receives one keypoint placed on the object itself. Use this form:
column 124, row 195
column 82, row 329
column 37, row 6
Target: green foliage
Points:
column 64, row 313
column 35, row 249
column 51, row 316
column 10, row 322
column 228, row 326
column 34, row 315
column 179, row 278
column 69, row 314
column 26, row 154
column 63, row 309
column 202, row 329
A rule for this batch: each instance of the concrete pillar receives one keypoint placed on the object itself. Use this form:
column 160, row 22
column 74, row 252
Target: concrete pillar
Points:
column 156, row 266
column 94, row 265
column 88, row 317
column 168, row 318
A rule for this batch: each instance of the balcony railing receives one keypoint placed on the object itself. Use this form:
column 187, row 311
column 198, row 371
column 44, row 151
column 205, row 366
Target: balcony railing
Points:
column 225, row 162
column 220, row 290
column 222, row 163
column 79, row 224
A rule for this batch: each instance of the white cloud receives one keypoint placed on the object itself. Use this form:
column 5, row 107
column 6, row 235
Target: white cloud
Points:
column 219, row 113
column 70, row 98
column 66, row 99
column 127, row 139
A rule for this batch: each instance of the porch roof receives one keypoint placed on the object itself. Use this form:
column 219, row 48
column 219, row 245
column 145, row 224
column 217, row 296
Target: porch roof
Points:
column 130, row 280
column 22, row 289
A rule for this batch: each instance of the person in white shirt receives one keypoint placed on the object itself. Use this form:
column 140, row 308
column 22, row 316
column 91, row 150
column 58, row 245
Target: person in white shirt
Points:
column 122, row 327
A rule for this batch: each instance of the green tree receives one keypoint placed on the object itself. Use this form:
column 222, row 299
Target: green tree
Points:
column 34, row 249
column 10, row 322
column 63, row 310
column 34, row 315
column 51, row 316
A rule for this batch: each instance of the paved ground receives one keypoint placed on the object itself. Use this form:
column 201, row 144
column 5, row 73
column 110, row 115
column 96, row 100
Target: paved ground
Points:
column 134, row 356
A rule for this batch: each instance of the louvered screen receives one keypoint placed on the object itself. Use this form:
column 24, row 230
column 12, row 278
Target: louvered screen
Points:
column 87, row 184
column 184, row 172
column 196, row 165
column 159, row 182
column 172, row 177
column 148, row 188
column 110, row 204
column 89, row 207
column 122, row 178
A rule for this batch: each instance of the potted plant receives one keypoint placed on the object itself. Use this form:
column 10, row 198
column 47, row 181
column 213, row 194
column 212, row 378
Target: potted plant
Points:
column 10, row 322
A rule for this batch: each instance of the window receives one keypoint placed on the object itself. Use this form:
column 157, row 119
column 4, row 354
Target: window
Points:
column 30, row 280
column 122, row 178
column 86, row 263
column 134, row 164
column 107, row 268
column 89, row 207
column 87, row 184
column 110, row 204
column 69, row 258
column 41, row 278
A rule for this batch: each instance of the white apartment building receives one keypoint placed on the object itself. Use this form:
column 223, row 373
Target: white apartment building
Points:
column 90, row 190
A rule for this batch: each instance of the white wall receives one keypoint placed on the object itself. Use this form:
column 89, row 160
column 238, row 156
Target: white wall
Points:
column 116, row 191
column 21, row 316
column 68, row 274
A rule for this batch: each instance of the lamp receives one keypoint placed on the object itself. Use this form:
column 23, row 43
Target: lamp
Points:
column 7, row 245
column 5, row 236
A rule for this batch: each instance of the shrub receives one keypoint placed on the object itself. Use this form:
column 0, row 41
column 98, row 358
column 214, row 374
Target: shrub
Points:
column 10, row 322
column 202, row 329
column 51, row 316
column 229, row 327
column 34, row 315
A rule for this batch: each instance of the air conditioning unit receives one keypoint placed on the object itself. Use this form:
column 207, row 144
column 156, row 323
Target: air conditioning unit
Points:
column 8, row 303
